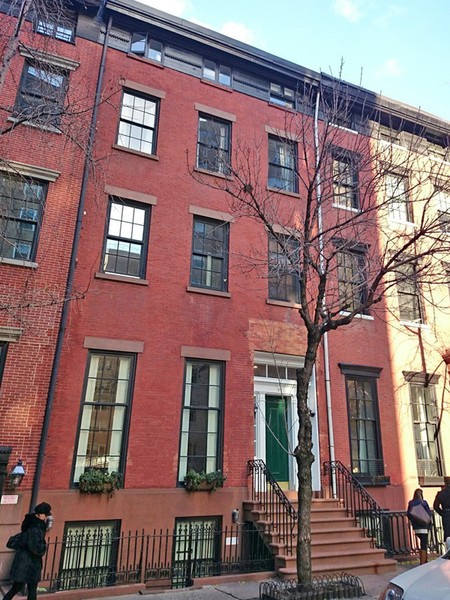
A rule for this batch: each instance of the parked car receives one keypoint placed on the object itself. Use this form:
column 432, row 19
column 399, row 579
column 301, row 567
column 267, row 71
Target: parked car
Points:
column 427, row 582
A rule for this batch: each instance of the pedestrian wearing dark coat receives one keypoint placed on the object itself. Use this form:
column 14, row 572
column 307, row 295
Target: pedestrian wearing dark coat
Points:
column 442, row 506
column 420, row 529
column 27, row 564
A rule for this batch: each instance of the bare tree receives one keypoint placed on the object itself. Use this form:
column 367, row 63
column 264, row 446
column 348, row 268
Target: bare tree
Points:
column 366, row 217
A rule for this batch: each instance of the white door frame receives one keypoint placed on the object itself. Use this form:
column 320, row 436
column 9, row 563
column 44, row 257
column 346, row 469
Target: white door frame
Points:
column 273, row 387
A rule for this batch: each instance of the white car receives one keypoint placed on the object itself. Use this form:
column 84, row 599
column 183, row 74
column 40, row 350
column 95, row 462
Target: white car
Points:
column 427, row 582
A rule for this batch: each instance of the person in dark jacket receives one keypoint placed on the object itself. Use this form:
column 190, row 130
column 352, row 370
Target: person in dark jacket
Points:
column 442, row 506
column 27, row 564
column 420, row 529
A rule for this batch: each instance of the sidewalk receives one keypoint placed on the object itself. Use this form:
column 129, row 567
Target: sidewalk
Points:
column 373, row 585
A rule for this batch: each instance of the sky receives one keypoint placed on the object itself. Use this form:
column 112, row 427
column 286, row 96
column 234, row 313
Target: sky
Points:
column 399, row 48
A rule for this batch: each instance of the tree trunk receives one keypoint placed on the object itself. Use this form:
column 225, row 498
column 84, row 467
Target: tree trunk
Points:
column 305, row 458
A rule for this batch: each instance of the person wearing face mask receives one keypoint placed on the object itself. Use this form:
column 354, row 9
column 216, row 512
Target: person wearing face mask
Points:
column 27, row 564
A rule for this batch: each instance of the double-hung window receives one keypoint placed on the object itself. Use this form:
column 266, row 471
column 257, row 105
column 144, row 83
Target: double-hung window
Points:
column 21, row 207
column 105, row 413
column 213, row 144
column 352, row 278
column 408, row 293
column 443, row 199
column 202, row 417
column 282, row 164
column 345, row 181
column 284, row 269
column 425, row 419
column 60, row 26
column 138, row 123
column 216, row 72
column 41, row 93
column 143, row 45
column 209, row 265
column 396, row 188
column 125, row 250
column 364, row 421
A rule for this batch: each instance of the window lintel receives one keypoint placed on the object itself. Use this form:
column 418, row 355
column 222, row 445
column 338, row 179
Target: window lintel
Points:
column 11, row 166
column 50, row 59
column 360, row 370
column 421, row 378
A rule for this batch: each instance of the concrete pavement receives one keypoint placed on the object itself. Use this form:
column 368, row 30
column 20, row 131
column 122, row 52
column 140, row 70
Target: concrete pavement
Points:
column 249, row 590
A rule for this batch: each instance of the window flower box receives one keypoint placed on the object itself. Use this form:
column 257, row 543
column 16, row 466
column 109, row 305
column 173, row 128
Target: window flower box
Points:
column 198, row 482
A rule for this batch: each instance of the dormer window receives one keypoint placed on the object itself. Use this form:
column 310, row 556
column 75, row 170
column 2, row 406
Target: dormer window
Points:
column 215, row 72
column 281, row 95
column 143, row 45
column 60, row 26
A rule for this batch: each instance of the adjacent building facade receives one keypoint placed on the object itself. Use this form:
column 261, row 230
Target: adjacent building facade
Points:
column 150, row 328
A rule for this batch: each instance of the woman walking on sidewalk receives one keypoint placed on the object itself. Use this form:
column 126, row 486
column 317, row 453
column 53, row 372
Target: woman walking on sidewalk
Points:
column 419, row 514
column 27, row 563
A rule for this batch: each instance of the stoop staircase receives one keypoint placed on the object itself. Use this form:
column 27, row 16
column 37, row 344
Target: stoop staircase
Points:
column 338, row 543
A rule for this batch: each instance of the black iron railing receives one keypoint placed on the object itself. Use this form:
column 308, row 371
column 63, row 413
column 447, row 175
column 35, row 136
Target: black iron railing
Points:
column 390, row 530
column 275, row 509
column 162, row 558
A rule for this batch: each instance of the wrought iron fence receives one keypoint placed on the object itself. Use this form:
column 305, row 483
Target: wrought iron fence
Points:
column 390, row 530
column 169, row 558
column 277, row 511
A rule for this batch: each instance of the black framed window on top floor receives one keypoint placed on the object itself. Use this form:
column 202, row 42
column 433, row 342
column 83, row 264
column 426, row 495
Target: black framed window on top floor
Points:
column 105, row 413
column 282, row 164
column 284, row 271
column 142, row 44
column 352, row 278
column 138, row 124
column 216, row 72
column 345, row 181
column 201, row 425
column 126, row 240
column 41, row 93
column 409, row 293
column 57, row 22
column 364, row 422
column 21, row 208
column 281, row 95
column 425, row 419
column 209, row 264
column 396, row 191
column 213, row 144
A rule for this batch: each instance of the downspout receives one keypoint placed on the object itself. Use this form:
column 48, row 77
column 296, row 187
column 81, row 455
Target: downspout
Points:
column 70, row 274
column 326, row 355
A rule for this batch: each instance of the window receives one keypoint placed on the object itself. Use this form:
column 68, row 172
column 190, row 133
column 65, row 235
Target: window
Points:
column 3, row 351
column 143, row 45
column 281, row 95
column 89, row 555
column 41, row 94
column 125, row 251
column 397, row 197
column 364, row 422
column 425, row 424
column 345, row 182
column 60, row 26
column 21, row 208
column 202, row 417
column 351, row 279
column 284, row 269
column 213, row 144
column 209, row 268
column 408, row 292
column 443, row 199
column 282, row 164
column 215, row 72
column 105, row 413
column 138, row 122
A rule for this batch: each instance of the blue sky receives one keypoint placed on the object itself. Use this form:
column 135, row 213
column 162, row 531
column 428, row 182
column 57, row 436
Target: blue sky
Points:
column 400, row 48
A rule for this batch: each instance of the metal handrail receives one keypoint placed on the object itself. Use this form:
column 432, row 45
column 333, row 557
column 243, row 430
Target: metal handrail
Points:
column 276, row 511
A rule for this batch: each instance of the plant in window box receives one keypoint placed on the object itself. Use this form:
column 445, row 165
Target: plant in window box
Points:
column 198, row 481
column 97, row 481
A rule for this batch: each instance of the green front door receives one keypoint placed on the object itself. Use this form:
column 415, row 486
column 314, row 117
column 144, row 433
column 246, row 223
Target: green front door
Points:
column 277, row 448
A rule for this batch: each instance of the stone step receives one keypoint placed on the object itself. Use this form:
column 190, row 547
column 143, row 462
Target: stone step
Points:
column 363, row 567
